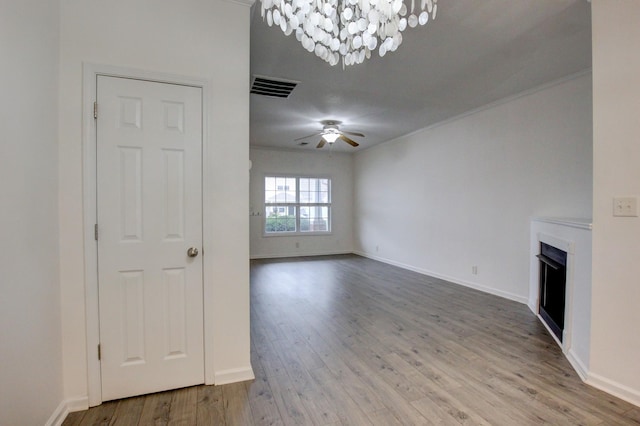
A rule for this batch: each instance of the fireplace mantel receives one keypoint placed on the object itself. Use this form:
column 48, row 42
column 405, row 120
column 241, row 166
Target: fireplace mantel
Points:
column 572, row 235
column 572, row 222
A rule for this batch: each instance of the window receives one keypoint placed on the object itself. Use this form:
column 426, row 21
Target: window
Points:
column 297, row 205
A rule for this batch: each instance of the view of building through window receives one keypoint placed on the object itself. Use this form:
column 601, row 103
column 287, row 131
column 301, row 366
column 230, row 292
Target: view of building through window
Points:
column 297, row 204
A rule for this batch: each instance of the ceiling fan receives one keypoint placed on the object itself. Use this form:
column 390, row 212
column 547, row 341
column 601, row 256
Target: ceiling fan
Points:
column 331, row 133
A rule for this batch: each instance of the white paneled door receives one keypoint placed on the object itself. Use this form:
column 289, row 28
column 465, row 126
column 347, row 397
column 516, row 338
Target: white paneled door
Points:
column 149, row 203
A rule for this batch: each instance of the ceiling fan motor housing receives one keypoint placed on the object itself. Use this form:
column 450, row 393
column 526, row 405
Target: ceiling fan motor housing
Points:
column 330, row 133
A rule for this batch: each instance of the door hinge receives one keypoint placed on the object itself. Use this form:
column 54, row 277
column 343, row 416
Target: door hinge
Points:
column 95, row 110
column 99, row 353
column 95, row 231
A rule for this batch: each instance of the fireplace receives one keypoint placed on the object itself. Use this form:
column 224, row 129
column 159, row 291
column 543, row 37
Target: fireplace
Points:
column 552, row 287
column 560, row 284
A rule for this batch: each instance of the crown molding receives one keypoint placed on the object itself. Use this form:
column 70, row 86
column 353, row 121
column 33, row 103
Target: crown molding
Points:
column 248, row 3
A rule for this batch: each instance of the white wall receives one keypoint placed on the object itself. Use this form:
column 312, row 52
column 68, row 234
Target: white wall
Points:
column 188, row 38
column 337, row 166
column 30, row 335
column 615, row 340
column 462, row 193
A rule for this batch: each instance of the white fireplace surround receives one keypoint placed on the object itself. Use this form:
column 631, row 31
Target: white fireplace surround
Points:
column 574, row 237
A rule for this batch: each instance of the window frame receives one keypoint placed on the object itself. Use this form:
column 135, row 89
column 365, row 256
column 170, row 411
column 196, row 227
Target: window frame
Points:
column 296, row 205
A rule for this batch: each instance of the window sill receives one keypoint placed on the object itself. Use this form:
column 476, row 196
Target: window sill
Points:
column 297, row 234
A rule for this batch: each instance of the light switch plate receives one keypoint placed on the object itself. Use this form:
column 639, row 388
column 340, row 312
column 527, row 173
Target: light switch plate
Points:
column 625, row 206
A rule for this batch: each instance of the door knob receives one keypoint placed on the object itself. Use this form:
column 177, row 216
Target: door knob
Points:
column 192, row 252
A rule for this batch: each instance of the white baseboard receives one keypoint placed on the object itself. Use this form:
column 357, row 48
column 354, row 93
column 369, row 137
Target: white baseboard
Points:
column 577, row 365
column 606, row 385
column 58, row 415
column 67, row 406
column 621, row 391
column 475, row 286
column 234, row 375
column 77, row 404
column 299, row 254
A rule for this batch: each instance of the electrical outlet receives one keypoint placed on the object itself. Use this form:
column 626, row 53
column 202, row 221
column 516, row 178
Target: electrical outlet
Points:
column 625, row 206
column 297, row 244
column 474, row 270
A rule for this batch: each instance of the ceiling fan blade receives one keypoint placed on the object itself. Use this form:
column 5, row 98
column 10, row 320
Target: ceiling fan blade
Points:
column 349, row 141
column 321, row 143
column 353, row 133
column 308, row 136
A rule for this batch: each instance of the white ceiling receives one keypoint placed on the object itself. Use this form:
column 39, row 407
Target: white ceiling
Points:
column 475, row 52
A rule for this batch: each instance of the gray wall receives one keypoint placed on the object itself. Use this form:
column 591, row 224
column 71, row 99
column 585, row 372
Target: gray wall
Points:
column 336, row 166
column 30, row 334
column 461, row 194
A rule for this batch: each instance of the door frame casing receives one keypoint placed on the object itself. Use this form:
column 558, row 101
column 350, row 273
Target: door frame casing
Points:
column 90, row 73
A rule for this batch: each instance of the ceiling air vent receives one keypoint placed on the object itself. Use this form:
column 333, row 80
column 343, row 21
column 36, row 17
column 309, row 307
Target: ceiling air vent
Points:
column 269, row 86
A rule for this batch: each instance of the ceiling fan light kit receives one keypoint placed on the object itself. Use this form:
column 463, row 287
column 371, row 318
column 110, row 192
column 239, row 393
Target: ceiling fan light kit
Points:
column 347, row 30
column 331, row 137
column 331, row 133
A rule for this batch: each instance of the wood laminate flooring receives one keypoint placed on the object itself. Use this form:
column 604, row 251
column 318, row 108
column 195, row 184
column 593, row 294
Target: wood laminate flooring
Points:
column 344, row 340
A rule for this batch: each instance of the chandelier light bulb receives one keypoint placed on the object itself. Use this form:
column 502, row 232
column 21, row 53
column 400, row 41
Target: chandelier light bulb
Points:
column 347, row 30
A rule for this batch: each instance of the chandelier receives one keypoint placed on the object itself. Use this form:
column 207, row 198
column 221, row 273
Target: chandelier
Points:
column 347, row 30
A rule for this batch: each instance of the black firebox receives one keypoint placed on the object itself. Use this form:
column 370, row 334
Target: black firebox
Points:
column 553, row 284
